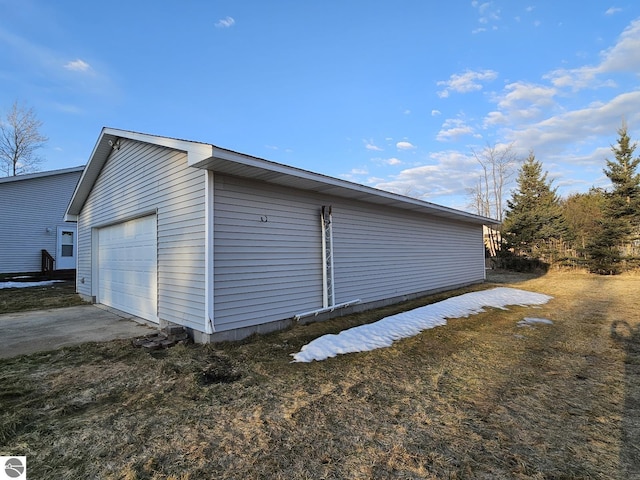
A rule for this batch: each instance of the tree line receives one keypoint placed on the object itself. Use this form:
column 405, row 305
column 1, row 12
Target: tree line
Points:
column 598, row 230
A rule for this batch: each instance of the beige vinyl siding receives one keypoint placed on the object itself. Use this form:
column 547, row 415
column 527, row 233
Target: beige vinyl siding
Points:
column 381, row 253
column 267, row 252
column 28, row 207
column 271, row 270
column 140, row 179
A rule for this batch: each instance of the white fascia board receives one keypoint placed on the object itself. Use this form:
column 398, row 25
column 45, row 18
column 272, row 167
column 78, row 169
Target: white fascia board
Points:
column 196, row 152
column 357, row 191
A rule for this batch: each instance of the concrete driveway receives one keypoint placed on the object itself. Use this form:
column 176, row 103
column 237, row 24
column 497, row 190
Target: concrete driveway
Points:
column 30, row 332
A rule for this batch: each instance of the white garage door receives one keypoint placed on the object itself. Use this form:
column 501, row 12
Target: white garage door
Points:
column 127, row 267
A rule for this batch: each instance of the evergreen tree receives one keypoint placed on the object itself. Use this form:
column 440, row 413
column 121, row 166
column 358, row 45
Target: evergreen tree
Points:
column 533, row 223
column 620, row 226
column 624, row 199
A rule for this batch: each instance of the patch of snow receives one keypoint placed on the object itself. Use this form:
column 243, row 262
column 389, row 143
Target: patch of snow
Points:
column 528, row 321
column 407, row 324
column 28, row 284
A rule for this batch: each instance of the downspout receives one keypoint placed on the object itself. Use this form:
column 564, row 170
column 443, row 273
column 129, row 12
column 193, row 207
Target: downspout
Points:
column 325, row 296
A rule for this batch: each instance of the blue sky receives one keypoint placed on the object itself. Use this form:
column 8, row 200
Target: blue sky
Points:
column 395, row 95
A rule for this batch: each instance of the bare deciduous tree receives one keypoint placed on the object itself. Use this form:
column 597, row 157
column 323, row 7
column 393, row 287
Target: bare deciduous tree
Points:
column 498, row 166
column 20, row 138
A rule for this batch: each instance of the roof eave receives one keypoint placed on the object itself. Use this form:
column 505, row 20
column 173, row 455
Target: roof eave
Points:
column 207, row 156
column 234, row 163
column 108, row 141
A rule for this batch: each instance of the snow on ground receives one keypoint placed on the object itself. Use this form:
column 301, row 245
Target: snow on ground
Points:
column 28, row 284
column 407, row 324
column 528, row 321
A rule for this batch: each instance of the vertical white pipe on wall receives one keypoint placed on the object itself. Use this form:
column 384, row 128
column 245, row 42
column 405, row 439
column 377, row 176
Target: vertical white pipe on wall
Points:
column 328, row 293
column 325, row 298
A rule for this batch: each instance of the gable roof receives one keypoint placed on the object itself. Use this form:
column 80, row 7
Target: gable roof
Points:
column 207, row 156
column 50, row 173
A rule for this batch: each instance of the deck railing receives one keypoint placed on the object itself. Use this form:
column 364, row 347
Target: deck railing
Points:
column 47, row 263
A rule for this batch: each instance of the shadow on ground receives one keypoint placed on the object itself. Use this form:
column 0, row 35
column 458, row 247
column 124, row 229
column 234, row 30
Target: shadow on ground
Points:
column 629, row 337
column 510, row 276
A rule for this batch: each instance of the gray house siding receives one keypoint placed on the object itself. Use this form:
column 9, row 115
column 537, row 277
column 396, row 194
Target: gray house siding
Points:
column 139, row 179
column 383, row 253
column 268, row 252
column 31, row 209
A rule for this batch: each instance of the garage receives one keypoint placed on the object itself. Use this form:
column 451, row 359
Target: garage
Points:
column 127, row 267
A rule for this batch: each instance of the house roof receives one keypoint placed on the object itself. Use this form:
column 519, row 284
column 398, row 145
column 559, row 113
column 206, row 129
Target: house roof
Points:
column 207, row 156
column 30, row 176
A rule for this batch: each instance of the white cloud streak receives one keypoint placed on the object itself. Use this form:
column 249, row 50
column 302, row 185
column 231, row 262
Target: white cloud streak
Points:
column 78, row 66
column 225, row 22
column 469, row 81
column 405, row 145
column 453, row 128
column 370, row 145
column 623, row 57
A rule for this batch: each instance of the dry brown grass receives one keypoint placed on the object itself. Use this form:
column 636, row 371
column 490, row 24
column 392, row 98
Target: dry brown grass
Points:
column 37, row 298
column 479, row 398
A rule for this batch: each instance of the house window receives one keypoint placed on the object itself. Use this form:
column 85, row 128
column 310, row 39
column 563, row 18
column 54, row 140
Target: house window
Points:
column 67, row 244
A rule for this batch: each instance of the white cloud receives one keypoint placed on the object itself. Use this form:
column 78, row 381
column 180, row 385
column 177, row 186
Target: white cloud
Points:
column 78, row 66
column 225, row 22
column 568, row 133
column 68, row 108
column 449, row 174
column 453, row 128
column 577, row 126
column 521, row 101
column 370, row 145
column 612, row 10
column 495, row 118
column 469, row 81
column 488, row 13
column 393, row 161
column 519, row 93
column 624, row 56
column 405, row 145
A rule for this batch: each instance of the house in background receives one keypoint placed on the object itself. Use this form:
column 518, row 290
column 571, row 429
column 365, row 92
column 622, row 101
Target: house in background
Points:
column 32, row 211
column 227, row 244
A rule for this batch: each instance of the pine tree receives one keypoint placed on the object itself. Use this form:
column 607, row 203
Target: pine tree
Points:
column 620, row 226
column 624, row 199
column 533, row 223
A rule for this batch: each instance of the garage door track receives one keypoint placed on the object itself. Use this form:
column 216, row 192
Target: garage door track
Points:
column 30, row 332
